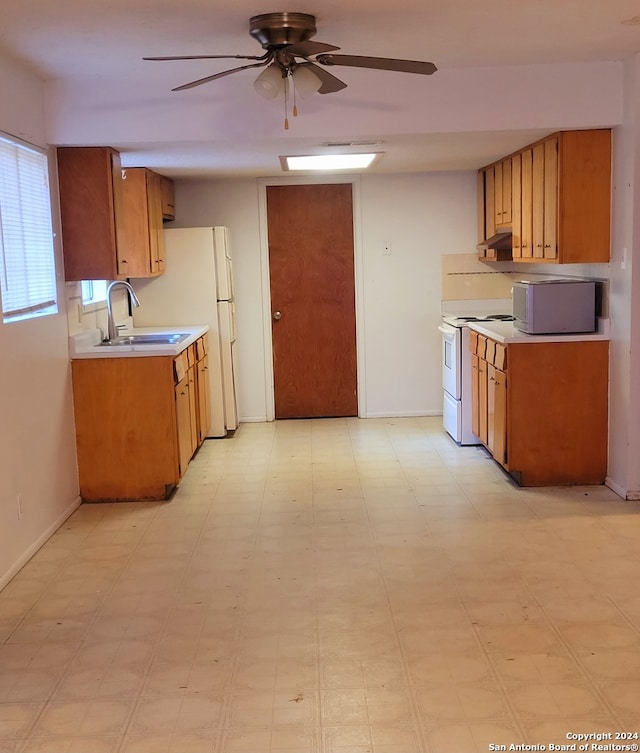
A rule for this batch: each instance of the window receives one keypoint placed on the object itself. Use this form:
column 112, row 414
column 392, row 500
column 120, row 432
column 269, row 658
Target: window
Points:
column 27, row 262
column 93, row 291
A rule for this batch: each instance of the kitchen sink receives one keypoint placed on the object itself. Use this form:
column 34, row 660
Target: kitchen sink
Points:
column 149, row 339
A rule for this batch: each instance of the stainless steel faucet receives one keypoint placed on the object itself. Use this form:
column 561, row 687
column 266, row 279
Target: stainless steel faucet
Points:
column 112, row 330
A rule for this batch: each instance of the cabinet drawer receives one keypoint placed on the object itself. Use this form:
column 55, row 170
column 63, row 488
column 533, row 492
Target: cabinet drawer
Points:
column 180, row 366
column 490, row 351
column 473, row 342
column 500, row 358
column 191, row 355
column 482, row 346
column 202, row 347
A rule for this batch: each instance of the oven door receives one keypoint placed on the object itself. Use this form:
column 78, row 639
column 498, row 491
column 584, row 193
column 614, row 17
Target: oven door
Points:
column 451, row 380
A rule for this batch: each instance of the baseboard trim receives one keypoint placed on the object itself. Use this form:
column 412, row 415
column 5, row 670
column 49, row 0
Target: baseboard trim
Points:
column 46, row 535
column 631, row 495
column 407, row 414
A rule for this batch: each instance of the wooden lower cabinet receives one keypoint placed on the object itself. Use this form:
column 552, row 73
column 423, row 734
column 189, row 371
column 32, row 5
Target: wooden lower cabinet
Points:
column 545, row 409
column 138, row 423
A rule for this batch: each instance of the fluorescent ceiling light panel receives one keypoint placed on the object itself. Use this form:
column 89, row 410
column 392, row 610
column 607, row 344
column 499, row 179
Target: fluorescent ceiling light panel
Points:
column 328, row 161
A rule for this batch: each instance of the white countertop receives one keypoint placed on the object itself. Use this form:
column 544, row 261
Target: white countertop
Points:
column 87, row 344
column 506, row 332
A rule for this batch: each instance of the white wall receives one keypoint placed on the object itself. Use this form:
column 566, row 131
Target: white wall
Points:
column 624, row 419
column 37, row 437
column 423, row 216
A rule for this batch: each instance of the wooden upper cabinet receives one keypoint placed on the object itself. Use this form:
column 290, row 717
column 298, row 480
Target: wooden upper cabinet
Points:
column 560, row 198
column 168, row 198
column 142, row 237
column 91, row 211
column 571, row 197
column 584, row 196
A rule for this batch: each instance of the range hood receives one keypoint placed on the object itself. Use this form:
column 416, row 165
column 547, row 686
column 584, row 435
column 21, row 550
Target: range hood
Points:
column 501, row 241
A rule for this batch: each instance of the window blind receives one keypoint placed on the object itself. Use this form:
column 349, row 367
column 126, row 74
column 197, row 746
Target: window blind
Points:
column 27, row 262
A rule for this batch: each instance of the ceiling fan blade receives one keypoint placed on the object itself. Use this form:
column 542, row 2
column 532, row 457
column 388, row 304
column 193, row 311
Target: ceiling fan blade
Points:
column 330, row 83
column 215, row 76
column 305, row 49
column 212, row 57
column 383, row 64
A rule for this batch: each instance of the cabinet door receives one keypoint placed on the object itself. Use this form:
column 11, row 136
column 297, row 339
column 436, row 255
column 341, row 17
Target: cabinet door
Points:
column 490, row 202
column 183, row 418
column 537, row 201
column 154, row 211
column 482, row 402
column 482, row 235
column 507, row 199
column 516, row 206
column 91, row 212
column 551, row 198
column 144, row 241
column 526, row 199
column 193, row 408
column 497, row 190
column 475, row 395
column 204, row 399
column 168, row 198
column 491, row 402
column 499, row 387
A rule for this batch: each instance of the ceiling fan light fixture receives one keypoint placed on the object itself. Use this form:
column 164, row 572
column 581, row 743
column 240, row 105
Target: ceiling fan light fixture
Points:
column 328, row 161
column 305, row 81
column 270, row 82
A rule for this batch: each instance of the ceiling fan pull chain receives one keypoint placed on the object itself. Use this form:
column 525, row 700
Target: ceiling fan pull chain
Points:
column 295, row 106
column 286, row 102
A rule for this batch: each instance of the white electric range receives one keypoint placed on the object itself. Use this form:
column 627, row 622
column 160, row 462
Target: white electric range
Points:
column 456, row 365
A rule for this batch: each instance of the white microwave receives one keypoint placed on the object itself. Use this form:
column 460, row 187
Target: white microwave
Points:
column 554, row 306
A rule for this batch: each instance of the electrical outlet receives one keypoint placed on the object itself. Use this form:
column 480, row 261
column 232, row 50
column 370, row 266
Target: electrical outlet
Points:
column 19, row 506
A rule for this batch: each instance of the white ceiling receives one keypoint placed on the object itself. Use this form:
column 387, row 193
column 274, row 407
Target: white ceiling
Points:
column 100, row 43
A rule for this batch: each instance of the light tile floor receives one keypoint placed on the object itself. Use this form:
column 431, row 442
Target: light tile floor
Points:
column 329, row 586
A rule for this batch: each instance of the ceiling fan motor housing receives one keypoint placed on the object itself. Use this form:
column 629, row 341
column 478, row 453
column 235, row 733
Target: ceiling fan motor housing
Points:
column 281, row 29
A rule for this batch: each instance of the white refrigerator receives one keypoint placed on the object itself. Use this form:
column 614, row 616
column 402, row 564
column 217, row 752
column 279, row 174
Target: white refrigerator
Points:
column 197, row 289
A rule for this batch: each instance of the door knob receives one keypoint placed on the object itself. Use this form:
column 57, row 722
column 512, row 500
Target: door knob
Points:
column 277, row 315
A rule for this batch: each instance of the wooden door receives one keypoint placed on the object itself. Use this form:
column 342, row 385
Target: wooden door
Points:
column 311, row 265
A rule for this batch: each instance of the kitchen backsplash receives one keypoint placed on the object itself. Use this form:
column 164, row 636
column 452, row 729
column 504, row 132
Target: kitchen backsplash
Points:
column 465, row 278
column 85, row 318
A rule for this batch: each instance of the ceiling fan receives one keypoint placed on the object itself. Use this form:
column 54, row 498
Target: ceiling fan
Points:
column 291, row 55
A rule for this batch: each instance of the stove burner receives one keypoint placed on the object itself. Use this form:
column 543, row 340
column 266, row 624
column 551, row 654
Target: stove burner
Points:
column 483, row 318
